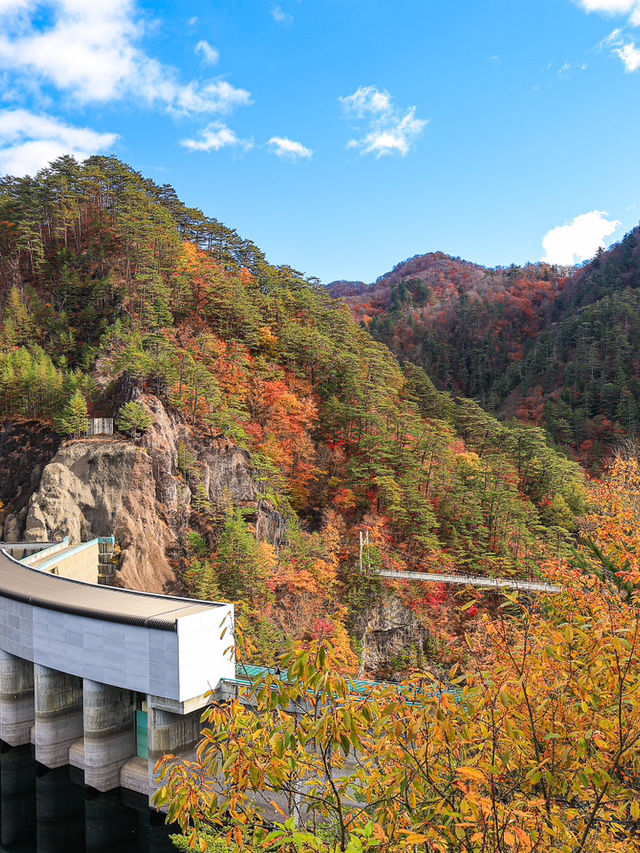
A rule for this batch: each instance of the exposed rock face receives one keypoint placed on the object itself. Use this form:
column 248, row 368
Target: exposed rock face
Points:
column 392, row 634
column 98, row 487
column 142, row 493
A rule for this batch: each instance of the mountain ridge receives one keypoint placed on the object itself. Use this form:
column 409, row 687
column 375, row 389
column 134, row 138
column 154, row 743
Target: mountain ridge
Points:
column 495, row 334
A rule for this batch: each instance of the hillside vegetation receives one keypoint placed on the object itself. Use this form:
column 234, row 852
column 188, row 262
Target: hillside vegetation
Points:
column 553, row 346
column 107, row 277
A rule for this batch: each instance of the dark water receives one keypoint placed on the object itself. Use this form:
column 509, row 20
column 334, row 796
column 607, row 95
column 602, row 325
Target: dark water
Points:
column 48, row 812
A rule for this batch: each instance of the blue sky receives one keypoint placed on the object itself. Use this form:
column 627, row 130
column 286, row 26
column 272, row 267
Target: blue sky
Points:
column 343, row 136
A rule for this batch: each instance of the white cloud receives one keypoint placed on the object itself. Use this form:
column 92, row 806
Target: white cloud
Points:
column 620, row 44
column 29, row 141
column 366, row 101
column 86, row 49
column 579, row 239
column 217, row 96
column 624, row 50
column 567, row 67
column 388, row 130
column 614, row 7
column 287, row 149
column 12, row 7
column 281, row 17
column 630, row 56
column 210, row 54
column 214, row 137
column 610, row 7
column 89, row 49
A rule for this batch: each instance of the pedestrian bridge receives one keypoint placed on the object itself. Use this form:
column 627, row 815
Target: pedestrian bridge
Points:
column 105, row 679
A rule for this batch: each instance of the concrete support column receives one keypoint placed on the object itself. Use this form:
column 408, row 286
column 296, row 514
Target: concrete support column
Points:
column 58, row 703
column 174, row 734
column 109, row 733
column 17, row 712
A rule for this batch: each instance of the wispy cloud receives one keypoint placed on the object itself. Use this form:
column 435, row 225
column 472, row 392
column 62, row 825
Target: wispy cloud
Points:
column 630, row 56
column 387, row 130
column 29, row 141
column 578, row 239
column 209, row 53
column 215, row 137
column 623, row 48
column 619, row 42
column 568, row 67
column 91, row 51
column 288, row 149
column 281, row 17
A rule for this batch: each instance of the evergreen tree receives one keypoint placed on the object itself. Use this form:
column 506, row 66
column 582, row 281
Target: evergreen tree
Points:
column 133, row 418
column 74, row 420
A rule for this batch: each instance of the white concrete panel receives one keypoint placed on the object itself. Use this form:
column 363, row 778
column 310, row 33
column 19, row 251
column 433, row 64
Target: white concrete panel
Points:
column 205, row 654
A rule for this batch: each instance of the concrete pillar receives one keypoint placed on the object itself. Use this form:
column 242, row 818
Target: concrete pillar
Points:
column 17, row 713
column 174, row 734
column 58, row 702
column 177, row 734
column 109, row 733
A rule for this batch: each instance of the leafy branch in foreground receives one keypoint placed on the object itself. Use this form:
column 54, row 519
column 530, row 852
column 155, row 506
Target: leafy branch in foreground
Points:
column 536, row 748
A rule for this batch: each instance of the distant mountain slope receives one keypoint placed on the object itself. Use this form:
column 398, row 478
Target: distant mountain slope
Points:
column 581, row 377
column 464, row 323
column 554, row 346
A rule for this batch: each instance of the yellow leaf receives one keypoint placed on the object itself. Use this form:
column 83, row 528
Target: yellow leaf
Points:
column 414, row 837
column 277, row 808
column 471, row 773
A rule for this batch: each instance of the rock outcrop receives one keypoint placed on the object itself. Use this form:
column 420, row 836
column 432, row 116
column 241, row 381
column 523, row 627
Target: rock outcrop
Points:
column 391, row 635
column 96, row 487
column 143, row 493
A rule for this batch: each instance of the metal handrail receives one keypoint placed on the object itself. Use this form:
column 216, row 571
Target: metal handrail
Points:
column 475, row 580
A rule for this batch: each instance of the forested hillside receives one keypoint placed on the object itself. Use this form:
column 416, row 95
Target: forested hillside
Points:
column 109, row 280
column 464, row 323
column 554, row 347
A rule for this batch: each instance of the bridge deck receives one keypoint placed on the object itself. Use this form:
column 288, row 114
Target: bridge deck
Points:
column 475, row 580
column 22, row 583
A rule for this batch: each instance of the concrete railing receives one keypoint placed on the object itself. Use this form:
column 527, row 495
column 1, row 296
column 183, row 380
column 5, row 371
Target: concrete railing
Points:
column 47, row 551
column 26, row 546
column 475, row 580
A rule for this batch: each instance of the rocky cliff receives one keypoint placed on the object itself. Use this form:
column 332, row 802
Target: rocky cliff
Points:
column 143, row 492
column 392, row 638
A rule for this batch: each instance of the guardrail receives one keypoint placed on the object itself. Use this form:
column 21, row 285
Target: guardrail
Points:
column 25, row 546
column 476, row 580
column 49, row 551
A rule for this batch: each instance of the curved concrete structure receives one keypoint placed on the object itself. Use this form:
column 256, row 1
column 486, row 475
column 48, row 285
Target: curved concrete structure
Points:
column 37, row 587
column 84, row 666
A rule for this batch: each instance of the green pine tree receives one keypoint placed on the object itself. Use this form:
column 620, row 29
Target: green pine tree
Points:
column 74, row 420
column 133, row 418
